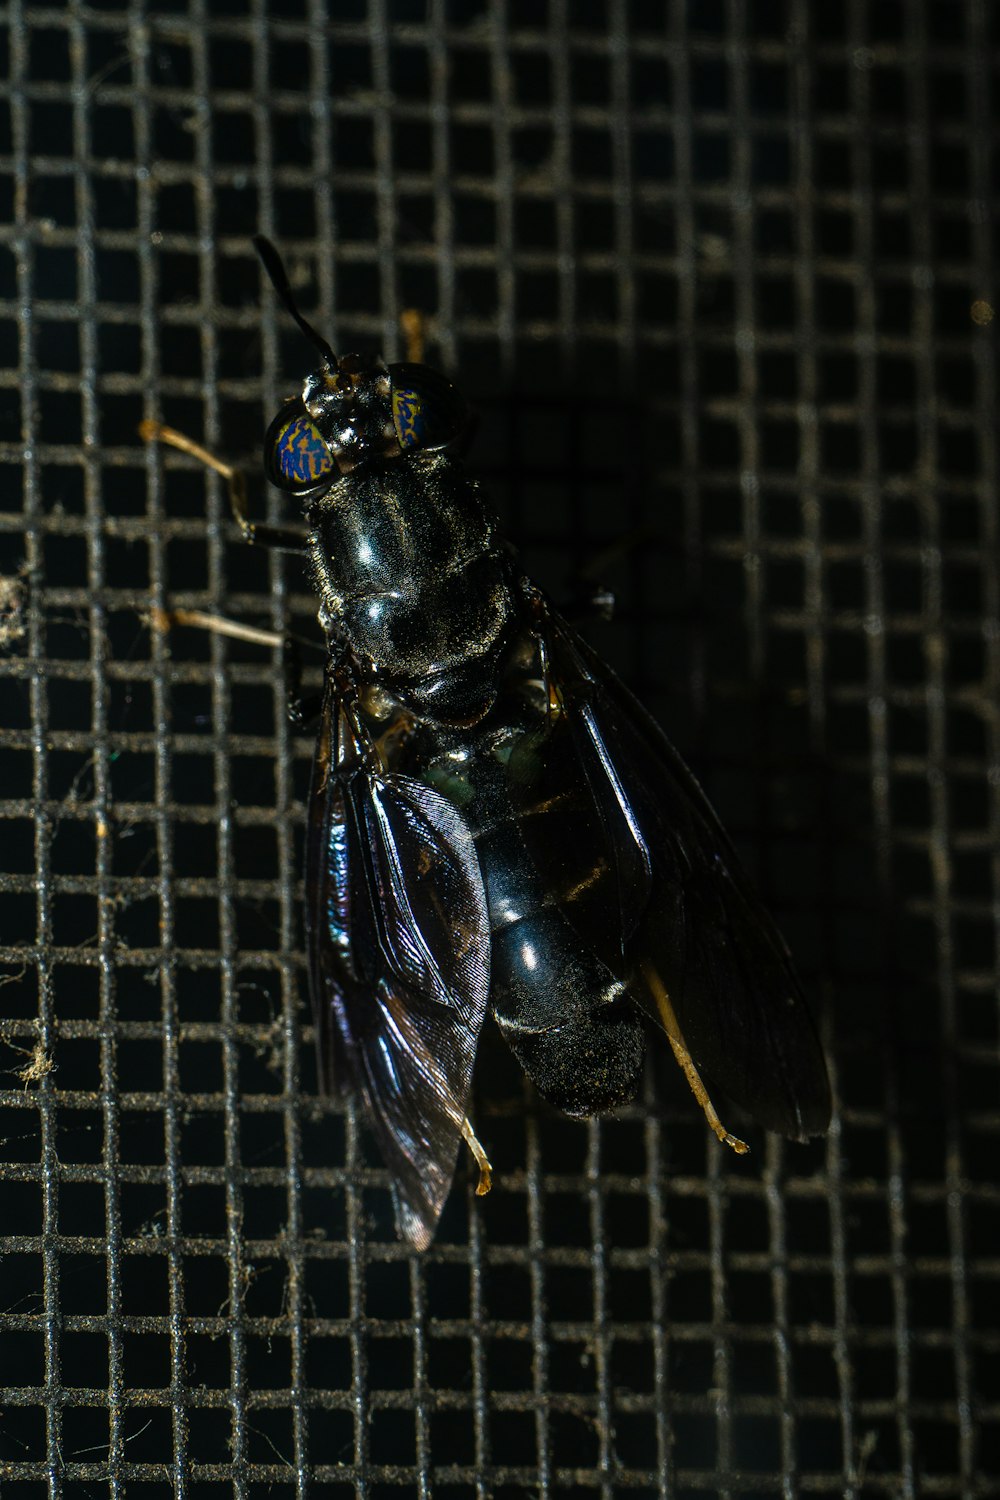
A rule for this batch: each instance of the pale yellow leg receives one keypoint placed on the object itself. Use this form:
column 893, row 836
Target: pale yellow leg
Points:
column 676, row 1038
column 414, row 328
column 166, row 619
column 156, row 432
column 482, row 1160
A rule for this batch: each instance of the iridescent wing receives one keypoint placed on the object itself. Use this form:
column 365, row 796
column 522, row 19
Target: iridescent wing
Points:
column 696, row 946
column 399, row 955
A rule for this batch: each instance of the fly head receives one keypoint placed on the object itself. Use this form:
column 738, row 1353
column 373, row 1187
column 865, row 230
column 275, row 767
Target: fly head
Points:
column 355, row 410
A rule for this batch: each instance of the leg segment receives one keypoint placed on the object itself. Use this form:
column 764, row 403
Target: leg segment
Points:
column 281, row 538
column 482, row 1160
column 414, row 329
column 676, row 1039
column 301, row 710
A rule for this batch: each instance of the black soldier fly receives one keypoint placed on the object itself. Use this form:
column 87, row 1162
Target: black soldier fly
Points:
column 495, row 823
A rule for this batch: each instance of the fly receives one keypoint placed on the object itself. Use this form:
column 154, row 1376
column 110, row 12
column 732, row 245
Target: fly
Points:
column 495, row 824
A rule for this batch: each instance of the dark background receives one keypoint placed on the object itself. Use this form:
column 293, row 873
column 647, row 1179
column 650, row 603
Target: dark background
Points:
column 720, row 279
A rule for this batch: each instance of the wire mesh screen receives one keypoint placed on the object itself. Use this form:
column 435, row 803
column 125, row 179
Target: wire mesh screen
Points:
column 720, row 280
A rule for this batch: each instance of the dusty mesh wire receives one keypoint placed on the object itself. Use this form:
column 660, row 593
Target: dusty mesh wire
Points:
column 720, row 278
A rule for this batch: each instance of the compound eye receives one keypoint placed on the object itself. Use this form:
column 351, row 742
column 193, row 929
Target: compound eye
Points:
column 295, row 456
column 427, row 411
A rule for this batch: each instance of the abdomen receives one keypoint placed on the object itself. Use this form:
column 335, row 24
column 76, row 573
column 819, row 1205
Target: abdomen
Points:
column 565, row 1014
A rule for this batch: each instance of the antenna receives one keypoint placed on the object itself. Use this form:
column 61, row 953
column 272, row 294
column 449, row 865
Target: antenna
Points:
column 275, row 269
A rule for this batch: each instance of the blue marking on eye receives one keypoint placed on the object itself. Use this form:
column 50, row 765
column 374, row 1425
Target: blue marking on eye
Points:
column 427, row 412
column 409, row 413
column 302, row 456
